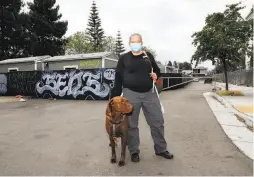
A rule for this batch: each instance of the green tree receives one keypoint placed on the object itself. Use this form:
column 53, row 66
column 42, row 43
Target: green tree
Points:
column 119, row 48
column 78, row 43
column 46, row 28
column 11, row 44
column 169, row 63
column 94, row 29
column 224, row 38
column 109, row 44
column 149, row 49
column 185, row 66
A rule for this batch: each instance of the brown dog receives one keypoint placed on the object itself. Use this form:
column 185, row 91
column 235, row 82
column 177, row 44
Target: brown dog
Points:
column 117, row 125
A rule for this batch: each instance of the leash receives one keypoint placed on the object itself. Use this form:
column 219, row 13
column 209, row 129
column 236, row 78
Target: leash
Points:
column 154, row 87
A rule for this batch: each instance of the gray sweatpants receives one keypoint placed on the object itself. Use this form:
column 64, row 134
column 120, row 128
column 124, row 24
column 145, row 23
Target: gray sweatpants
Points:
column 149, row 102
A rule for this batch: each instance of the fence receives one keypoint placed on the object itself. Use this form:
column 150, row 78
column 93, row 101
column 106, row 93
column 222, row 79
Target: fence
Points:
column 175, row 81
column 89, row 84
column 239, row 77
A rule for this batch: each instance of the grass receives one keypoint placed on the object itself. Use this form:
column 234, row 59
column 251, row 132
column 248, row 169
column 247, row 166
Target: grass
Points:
column 230, row 93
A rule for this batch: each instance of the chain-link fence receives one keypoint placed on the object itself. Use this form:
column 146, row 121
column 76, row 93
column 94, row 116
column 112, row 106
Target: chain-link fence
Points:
column 239, row 77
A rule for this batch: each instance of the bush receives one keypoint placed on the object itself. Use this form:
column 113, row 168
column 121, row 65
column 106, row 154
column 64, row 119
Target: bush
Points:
column 230, row 93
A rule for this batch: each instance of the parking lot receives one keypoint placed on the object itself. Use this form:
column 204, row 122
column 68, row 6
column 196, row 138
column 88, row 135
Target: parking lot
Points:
column 67, row 137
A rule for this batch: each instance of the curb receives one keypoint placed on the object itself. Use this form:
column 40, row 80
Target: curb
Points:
column 247, row 119
column 241, row 145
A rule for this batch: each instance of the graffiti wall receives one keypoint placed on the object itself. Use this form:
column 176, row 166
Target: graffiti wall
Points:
column 76, row 84
column 89, row 84
column 22, row 83
column 3, row 84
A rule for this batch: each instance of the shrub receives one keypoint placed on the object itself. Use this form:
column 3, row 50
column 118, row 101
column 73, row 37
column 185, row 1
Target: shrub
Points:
column 230, row 93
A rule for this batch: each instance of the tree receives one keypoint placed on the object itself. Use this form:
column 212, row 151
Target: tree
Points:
column 46, row 28
column 78, row 43
column 185, row 66
column 119, row 44
column 149, row 49
column 175, row 64
column 94, row 29
column 11, row 43
column 109, row 44
column 223, row 39
column 169, row 63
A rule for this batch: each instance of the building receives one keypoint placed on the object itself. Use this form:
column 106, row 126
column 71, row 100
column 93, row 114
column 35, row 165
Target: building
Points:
column 22, row 64
column 247, row 59
column 81, row 61
column 165, row 69
column 199, row 71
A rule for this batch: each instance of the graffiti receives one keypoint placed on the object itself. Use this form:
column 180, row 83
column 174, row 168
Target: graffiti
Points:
column 22, row 82
column 74, row 84
column 88, row 84
column 90, row 63
column 3, row 84
column 109, row 74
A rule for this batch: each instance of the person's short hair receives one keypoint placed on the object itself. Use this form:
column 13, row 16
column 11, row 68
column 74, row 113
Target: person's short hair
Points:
column 135, row 34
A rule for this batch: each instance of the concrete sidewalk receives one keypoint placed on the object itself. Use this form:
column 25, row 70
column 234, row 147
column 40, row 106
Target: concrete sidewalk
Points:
column 234, row 129
column 243, row 104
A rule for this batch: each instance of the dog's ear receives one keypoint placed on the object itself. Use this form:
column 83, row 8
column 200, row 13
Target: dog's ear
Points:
column 129, row 109
column 110, row 105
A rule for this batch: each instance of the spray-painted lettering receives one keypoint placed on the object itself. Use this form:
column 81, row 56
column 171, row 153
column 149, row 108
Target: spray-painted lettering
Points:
column 74, row 83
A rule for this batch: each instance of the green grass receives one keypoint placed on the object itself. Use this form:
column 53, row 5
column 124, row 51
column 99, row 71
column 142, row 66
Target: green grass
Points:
column 230, row 93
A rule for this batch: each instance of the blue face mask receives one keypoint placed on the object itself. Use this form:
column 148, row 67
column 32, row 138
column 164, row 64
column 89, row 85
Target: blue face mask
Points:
column 136, row 47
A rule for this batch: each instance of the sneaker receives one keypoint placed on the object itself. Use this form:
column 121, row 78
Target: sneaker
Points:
column 166, row 155
column 135, row 157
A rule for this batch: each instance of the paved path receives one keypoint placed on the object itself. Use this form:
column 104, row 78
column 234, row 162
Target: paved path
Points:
column 41, row 137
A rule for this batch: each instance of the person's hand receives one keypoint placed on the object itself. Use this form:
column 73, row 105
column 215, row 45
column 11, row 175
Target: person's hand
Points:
column 154, row 76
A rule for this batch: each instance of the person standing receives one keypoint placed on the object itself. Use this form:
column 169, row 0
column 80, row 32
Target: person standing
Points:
column 134, row 78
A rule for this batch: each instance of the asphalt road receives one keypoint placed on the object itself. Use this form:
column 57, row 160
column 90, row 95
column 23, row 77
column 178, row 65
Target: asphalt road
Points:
column 63, row 137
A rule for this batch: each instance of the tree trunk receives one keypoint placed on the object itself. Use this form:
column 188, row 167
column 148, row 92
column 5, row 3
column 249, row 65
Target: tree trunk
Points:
column 2, row 35
column 225, row 72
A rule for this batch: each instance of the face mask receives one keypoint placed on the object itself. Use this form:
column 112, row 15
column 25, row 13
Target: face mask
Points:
column 136, row 47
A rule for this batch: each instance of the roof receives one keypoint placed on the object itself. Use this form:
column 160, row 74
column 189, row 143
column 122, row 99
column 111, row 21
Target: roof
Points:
column 23, row 60
column 79, row 56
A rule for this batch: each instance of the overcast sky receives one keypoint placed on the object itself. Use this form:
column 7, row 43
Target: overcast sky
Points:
column 166, row 25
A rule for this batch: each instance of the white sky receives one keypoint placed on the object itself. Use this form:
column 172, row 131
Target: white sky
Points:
column 166, row 25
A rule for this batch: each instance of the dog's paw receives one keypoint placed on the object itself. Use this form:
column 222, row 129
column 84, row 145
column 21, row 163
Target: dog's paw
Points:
column 121, row 163
column 113, row 160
